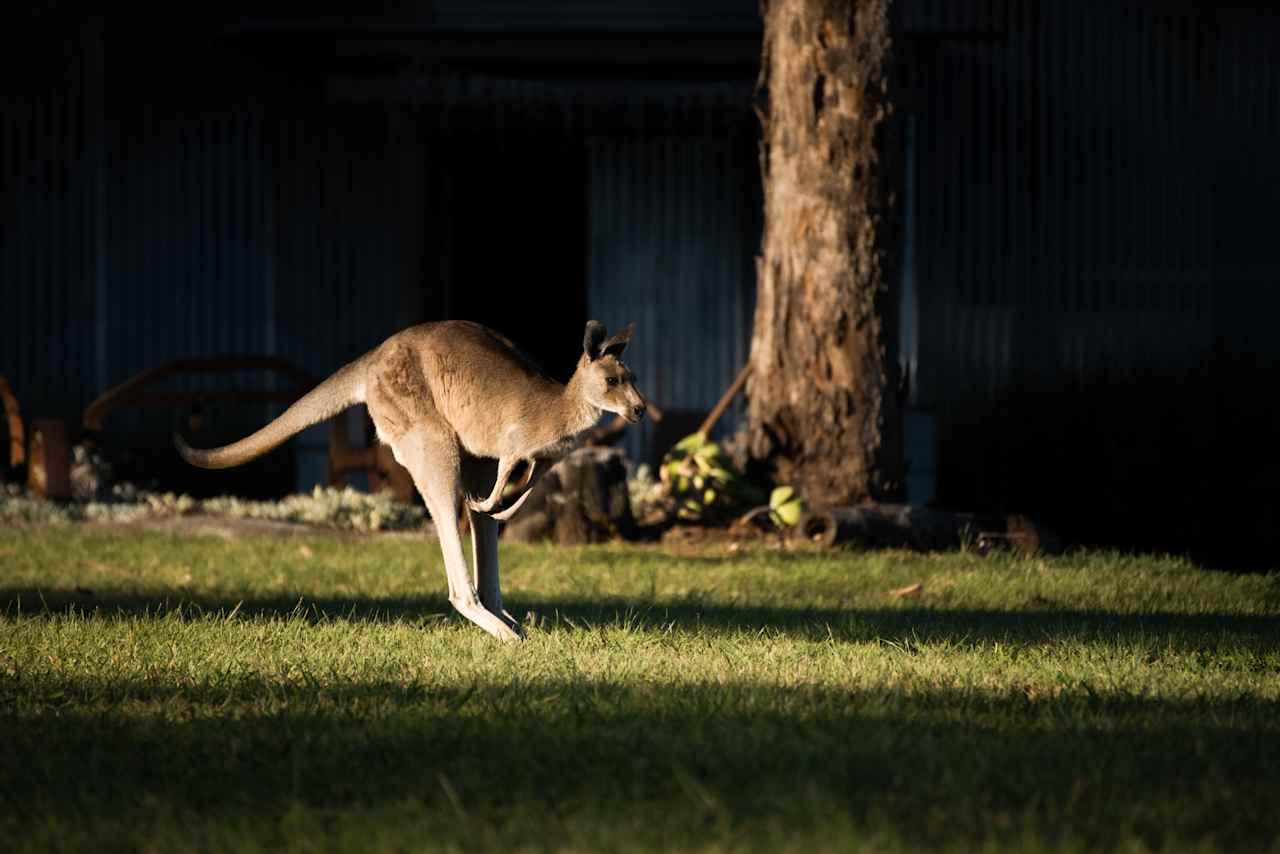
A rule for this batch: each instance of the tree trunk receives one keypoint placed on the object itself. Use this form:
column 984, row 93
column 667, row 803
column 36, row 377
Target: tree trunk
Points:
column 823, row 409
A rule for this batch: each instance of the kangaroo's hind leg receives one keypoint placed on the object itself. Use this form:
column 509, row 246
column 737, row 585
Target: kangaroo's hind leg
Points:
column 432, row 456
column 484, row 554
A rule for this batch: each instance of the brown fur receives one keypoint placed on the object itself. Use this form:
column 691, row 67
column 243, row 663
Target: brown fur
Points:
column 444, row 394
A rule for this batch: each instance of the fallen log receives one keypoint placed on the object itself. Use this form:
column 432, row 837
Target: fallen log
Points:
column 925, row 529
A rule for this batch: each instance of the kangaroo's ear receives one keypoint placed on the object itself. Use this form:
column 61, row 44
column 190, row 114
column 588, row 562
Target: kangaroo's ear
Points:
column 615, row 345
column 593, row 340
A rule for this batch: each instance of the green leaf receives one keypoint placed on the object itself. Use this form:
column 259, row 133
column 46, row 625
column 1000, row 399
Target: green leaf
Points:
column 691, row 443
column 785, row 506
column 789, row 513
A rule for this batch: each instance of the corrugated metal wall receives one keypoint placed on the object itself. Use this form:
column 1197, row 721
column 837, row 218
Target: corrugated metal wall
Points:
column 1063, row 198
column 1245, row 139
column 451, row 102
column 138, row 229
column 147, row 227
column 1092, row 187
column 549, row 16
column 187, row 259
column 591, row 15
column 339, row 256
column 231, row 234
column 337, row 263
column 140, row 224
column 674, row 228
column 47, row 216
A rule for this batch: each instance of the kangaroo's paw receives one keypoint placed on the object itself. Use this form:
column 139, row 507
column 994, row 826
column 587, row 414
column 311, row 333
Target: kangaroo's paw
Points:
column 485, row 506
column 504, row 515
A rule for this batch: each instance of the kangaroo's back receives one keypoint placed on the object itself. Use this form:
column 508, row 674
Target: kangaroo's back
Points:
column 477, row 380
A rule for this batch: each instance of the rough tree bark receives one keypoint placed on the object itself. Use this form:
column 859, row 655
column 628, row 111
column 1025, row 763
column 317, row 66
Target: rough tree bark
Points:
column 823, row 395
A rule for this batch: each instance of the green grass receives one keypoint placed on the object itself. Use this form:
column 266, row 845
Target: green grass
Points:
column 312, row 692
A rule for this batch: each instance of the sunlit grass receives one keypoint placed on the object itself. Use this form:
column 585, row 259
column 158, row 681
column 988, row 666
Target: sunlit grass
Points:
column 314, row 692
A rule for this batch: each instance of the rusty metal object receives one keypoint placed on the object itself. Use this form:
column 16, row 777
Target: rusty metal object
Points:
column 49, row 461
column 133, row 391
column 390, row 475
column 377, row 462
column 17, row 437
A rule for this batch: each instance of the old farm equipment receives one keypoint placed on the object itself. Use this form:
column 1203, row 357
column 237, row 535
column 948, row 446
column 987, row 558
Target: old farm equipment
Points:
column 41, row 448
column 142, row 390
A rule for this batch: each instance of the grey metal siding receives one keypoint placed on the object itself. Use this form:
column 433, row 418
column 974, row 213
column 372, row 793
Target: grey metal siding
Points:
column 1094, row 192
column 46, row 283
column 223, row 232
column 338, row 265
column 186, row 254
column 338, row 262
column 674, row 225
column 1067, row 196
column 586, row 15
column 1245, row 138
column 546, row 16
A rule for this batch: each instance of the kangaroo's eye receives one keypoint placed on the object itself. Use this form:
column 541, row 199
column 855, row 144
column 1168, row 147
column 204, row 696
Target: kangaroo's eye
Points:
column 611, row 381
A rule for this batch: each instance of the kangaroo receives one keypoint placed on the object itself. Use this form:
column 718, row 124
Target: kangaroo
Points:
column 446, row 397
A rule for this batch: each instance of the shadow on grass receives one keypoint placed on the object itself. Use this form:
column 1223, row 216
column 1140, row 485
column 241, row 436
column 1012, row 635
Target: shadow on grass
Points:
column 1040, row 623
column 541, row 757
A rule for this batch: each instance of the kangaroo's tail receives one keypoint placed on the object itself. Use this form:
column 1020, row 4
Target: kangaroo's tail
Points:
column 344, row 388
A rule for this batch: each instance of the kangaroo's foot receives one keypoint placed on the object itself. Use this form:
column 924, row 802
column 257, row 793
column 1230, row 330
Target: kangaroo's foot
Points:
column 503, row 627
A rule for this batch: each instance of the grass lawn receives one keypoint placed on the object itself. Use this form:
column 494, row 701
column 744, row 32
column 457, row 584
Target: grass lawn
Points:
column 312, row 692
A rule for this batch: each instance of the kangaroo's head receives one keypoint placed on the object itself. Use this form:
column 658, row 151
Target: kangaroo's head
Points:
column 605, row 382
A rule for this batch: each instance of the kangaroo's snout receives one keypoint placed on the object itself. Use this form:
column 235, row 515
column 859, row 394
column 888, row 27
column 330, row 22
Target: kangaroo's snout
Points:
column 637, row 412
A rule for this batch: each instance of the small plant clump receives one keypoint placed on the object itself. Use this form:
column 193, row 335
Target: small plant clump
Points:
column 697, row 482
column 344, row 509
column 650, row 500
column 335, row 508
column 701, row 479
